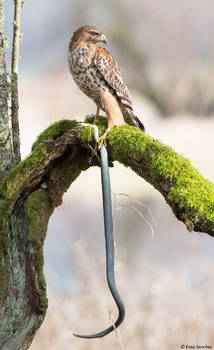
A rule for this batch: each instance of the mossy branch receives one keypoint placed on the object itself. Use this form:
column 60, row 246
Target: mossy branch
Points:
column 188, row 193
column 29, row 194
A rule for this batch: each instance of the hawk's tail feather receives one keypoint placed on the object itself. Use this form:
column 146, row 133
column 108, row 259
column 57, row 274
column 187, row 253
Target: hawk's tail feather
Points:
column 130, row 118
column 139, row 123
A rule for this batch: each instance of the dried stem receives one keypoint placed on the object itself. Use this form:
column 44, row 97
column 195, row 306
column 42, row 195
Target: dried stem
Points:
column 6, row 151
column 14, row 80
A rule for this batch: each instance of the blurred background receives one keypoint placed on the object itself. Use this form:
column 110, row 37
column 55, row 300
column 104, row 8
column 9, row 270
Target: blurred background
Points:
column 165, row 50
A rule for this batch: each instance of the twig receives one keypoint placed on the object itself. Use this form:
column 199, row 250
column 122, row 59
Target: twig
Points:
column 14, row 80
column 6, row 149
column 139, row 203
column 138, row 211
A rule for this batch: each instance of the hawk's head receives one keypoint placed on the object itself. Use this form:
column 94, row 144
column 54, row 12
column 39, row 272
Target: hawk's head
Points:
column 89, row 34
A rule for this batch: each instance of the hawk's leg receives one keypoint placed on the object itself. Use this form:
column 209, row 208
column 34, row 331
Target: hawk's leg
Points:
column 113, row 112
column 96, row 118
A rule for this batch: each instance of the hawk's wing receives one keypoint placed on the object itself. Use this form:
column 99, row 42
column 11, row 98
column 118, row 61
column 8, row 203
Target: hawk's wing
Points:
column 110, row 71
column 108, row 68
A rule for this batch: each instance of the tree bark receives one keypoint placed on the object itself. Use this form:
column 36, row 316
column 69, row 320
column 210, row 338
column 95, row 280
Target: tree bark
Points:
column 29, row 194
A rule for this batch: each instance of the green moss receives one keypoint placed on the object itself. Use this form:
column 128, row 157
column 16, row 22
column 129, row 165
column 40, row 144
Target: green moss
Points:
column 126, row 141
column 101, row 122
column 186, row 187
column 195, row 194
column 60, row 127
column 55, row 130
column 85, row 134
column 20, row 173
column 38, row 209
column 10, row 188
column 159, row 163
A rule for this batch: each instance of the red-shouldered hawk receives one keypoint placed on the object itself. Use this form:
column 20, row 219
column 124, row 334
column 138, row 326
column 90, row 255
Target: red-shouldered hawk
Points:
column 97, row 74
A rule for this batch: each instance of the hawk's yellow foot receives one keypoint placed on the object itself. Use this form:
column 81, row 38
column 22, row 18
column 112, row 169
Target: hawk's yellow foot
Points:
column 102, row 139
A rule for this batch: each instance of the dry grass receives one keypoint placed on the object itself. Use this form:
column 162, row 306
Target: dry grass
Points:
column 139, row 207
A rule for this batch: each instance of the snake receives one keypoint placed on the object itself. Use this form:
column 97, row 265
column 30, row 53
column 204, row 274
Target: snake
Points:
column 109, row 241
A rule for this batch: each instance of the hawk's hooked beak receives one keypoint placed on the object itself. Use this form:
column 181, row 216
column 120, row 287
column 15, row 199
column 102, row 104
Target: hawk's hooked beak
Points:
column 102, row 39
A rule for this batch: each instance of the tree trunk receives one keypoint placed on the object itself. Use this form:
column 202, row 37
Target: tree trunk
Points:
column 29, row 194
column 28, row 197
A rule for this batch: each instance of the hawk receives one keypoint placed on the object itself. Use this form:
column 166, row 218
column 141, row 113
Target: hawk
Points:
column 97, row 74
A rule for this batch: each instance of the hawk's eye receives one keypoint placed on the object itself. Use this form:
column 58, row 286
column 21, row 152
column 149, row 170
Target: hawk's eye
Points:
column 95, row 34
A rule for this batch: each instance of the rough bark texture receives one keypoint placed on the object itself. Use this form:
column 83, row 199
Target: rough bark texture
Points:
column 29, row 194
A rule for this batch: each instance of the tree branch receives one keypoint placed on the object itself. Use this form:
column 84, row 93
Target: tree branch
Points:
column 14, row 80
column 29, row 194
column 190, row 196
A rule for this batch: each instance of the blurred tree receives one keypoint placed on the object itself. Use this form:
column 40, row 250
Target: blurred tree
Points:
column 6, row 150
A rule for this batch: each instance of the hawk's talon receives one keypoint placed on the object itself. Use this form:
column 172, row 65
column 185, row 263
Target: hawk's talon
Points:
column 102, row 139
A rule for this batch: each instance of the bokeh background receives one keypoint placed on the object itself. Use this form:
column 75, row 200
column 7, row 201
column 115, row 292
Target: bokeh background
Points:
column 165, row 50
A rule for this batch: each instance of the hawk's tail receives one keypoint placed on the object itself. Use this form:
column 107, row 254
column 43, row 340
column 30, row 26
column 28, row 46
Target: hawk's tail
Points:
column 134, row 120
column 139, row 123
column 130, row 118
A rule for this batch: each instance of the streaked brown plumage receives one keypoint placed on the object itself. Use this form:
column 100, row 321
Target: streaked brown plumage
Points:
column 97, row 74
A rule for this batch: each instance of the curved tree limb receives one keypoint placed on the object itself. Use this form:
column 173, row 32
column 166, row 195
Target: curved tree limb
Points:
column 29, row 194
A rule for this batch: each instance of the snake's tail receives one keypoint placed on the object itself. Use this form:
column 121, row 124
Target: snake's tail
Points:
column 113, row 289
column 110, row 329
column 96, row 335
